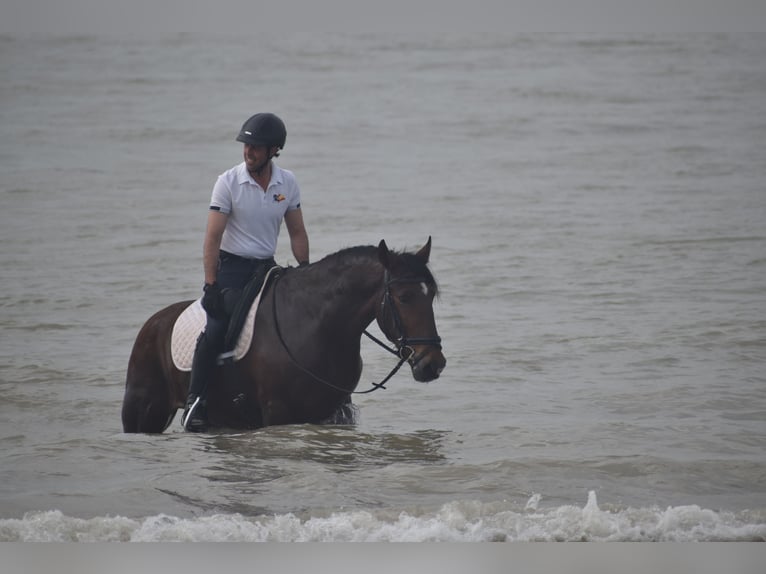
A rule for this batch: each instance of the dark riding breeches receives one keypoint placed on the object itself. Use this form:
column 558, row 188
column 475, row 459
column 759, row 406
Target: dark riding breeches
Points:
column 234, row 273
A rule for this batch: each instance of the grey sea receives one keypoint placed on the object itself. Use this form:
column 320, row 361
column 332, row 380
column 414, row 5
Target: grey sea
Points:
column 598, row 212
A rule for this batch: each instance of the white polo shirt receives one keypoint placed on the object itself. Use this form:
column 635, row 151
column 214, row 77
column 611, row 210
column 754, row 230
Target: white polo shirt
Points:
column 255, row 215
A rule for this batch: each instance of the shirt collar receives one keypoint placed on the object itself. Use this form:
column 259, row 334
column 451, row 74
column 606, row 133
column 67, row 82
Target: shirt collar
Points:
column 243, row 176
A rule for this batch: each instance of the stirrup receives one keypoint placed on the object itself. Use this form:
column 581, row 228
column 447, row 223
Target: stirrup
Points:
column 188, row 412
column 226, row 358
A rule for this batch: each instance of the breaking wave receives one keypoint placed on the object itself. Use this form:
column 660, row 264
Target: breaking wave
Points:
column 460, row 521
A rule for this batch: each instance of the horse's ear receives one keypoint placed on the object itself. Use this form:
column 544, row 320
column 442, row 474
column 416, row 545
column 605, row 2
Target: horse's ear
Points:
column 425, row 251
column 383, row 254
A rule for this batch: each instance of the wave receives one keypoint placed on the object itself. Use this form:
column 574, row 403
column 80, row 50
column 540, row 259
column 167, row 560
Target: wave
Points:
column 460, row 521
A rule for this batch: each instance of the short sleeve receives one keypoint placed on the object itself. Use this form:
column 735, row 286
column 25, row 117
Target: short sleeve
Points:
column 295, row 196
column 221, row 199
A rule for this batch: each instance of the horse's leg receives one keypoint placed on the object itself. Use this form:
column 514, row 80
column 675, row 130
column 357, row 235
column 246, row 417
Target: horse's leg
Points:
column 279, row 409
column 154, row 388
column 276, row 409
column 231, row 400
column 345, row 414
column 277, row 412
column 148, row 406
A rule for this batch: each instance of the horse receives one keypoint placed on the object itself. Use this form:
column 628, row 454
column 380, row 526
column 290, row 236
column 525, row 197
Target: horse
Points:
column 304, row 360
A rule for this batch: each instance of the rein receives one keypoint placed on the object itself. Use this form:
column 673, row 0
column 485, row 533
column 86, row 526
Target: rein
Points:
column 402, row 343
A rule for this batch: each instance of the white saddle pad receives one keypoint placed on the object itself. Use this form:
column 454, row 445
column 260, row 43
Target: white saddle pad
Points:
column 191, row 322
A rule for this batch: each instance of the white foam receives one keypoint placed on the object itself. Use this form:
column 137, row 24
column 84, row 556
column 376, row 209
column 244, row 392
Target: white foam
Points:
column 468, row 521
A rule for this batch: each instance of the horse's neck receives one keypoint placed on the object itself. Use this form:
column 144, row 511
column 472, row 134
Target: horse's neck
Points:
column 358, row 294
column 348, row 296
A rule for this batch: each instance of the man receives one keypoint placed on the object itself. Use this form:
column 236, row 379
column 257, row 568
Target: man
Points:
column 248, row 205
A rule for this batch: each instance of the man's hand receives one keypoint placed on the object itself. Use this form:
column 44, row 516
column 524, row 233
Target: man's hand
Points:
column 212, row 300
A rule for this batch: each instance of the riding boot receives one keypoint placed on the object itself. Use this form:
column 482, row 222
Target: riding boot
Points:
column 195, row 413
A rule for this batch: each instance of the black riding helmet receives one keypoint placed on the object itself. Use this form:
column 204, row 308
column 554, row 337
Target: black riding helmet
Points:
column 263, row 129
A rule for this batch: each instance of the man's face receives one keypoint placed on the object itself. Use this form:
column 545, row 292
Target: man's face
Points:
column 256, row 157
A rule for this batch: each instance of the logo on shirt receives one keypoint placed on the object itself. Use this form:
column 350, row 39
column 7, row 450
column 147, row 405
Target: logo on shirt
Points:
column 279, row 197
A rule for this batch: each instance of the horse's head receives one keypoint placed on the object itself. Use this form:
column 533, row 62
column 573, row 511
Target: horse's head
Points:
column 406, row 315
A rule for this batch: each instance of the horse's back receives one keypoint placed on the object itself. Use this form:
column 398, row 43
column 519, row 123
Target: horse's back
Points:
column 154, row 388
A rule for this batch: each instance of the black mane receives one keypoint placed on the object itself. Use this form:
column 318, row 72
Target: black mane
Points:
column 407, row 265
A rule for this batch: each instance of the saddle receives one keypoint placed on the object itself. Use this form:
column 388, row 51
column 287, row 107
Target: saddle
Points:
column 241, row 306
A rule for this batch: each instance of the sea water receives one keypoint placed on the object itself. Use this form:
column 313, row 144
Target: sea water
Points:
column 597, row 208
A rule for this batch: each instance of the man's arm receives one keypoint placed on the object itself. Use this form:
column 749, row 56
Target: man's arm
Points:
column 216, row 223
column 299, row 239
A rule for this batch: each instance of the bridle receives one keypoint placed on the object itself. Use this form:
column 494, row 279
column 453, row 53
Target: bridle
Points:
column 402, row 344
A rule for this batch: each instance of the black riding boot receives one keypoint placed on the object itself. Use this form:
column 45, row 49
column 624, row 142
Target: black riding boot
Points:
column 195, row 413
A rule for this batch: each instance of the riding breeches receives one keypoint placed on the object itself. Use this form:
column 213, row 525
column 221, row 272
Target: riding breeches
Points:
column 234, row 273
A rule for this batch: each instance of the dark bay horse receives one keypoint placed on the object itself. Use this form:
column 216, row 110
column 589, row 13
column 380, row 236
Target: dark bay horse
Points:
column 305, row 357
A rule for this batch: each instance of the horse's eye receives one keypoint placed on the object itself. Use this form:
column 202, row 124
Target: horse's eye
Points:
column 405, row 298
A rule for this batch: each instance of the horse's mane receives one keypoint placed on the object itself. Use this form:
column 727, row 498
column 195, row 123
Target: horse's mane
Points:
column 350, row 254
column 407, row 264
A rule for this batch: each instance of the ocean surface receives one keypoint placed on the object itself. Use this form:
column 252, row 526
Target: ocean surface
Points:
column 598, row 212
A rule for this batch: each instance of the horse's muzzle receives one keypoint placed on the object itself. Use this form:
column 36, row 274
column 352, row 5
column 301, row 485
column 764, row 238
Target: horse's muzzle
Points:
column 428, row 365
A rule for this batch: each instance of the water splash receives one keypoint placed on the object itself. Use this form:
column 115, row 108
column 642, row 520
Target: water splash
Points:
column 458, row 521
